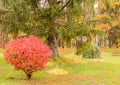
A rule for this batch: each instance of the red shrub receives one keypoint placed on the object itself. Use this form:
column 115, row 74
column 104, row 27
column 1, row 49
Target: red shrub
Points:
column 29, row 54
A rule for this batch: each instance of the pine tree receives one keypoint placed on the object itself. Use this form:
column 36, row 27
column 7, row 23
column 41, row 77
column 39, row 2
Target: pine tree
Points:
column 43, row 19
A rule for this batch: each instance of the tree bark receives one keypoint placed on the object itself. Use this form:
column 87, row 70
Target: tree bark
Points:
column 52, row 32
column 52, row 42
column 54, row 49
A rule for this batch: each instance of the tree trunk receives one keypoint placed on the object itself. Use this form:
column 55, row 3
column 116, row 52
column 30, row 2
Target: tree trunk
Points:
column 52, row 32
column 110, row 43
column 3, row 37
column 29, row 75
column 54, row 50
column 52, row 42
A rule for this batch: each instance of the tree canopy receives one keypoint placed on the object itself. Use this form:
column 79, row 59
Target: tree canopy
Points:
column 61, row 20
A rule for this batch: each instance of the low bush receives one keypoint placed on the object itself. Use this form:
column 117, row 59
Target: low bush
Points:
column 92, row 51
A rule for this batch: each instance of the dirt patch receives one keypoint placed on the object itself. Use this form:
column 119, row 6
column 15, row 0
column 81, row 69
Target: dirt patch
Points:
column 54, row 80
column 99, row 60
column 70, row 79
column 98, row 84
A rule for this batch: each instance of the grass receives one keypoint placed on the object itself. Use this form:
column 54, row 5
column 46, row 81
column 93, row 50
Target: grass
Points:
column 92, row 73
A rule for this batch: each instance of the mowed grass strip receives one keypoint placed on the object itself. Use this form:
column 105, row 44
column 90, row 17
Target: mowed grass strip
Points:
column 91, row 73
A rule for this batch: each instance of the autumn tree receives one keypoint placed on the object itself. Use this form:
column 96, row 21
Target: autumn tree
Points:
column 44, row 18
column 108, row 20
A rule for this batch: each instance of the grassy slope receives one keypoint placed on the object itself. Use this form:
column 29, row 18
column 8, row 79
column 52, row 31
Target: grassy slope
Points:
column 92, row 73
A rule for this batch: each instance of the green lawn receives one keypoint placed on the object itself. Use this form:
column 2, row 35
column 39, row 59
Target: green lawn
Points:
column 91, row 73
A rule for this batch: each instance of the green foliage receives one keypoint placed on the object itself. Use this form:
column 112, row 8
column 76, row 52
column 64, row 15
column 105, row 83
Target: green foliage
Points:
column 27, row 17
column 88, row 51
column 92, row 51
column 76, row 31
column 82, row 46
column 18, row 19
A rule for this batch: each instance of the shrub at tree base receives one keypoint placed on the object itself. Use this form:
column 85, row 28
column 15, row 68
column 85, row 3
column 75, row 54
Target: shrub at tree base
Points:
column 29, row 54
column 92, row 51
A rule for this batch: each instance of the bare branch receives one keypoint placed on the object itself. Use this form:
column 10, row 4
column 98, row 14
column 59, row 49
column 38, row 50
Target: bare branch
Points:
column 64, row 6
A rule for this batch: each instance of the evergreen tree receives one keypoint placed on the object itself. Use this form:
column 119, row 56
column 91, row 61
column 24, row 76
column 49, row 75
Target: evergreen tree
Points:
column 42, row 18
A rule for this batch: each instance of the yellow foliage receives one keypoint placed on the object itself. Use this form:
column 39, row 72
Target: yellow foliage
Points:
column 102, row 6
column 118, row 42
column 112, row 14
column 102, row 26
column 115, row 4
column 102, row 16
column 115, row 22
column 50, row 64
column 112, row 3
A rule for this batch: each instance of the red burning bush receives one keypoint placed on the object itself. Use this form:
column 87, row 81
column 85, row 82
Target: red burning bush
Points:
column 29, row 54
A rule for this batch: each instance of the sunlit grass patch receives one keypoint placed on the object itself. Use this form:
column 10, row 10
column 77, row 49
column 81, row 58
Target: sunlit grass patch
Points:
column 66, row 60
column 66, row 51
column 50, row 63
column 57, row 71
column 113, row 51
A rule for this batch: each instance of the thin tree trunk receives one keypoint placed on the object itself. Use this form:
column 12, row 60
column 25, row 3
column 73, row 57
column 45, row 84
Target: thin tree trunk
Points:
column 29, row 76
column 3, row 37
